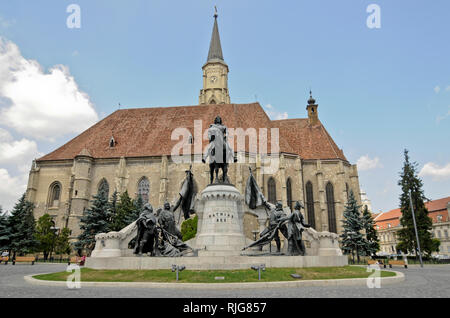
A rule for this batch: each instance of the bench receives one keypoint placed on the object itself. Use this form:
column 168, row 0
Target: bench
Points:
column 400, row 263
column 374, row 262
column 24, row 259
column 4, row 259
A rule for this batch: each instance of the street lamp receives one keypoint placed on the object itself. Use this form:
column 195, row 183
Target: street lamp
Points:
column 415, row 228
column 55, row 230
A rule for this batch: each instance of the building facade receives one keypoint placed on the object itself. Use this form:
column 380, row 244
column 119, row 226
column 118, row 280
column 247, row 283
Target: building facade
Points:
column 133, row 150
column 388, row 224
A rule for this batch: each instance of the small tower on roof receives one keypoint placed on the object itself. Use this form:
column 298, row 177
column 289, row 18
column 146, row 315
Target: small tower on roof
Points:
column 215, row 72
column 312, row 110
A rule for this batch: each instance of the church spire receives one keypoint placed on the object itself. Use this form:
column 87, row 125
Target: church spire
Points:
column 215, row 48
column 215, row 72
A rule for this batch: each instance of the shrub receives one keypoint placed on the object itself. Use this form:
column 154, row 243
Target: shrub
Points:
column 189, row 228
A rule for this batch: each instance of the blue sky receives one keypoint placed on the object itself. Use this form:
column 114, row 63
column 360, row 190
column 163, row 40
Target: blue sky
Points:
column 379, row 90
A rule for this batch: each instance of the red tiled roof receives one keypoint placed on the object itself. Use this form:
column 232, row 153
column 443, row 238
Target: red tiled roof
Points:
column 310, row 142
column 436, row 205
column 147, row 132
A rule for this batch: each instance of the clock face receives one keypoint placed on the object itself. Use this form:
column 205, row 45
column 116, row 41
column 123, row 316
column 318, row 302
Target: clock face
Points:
column 213, row 79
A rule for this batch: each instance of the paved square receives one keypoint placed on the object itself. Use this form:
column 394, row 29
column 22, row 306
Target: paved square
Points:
column 432, row 281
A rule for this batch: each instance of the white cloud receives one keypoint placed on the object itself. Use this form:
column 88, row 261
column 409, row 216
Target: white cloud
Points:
column 435, row 171
column 447, row 88
column 39, row 104
column 18, row 152
column 274, row 114
column 11, row 188
column 366, row 163
column 437, row 89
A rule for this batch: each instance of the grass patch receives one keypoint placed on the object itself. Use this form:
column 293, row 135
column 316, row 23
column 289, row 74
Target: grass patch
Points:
column 231, row 276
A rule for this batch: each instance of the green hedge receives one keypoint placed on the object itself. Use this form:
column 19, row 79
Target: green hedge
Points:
column 189, row 228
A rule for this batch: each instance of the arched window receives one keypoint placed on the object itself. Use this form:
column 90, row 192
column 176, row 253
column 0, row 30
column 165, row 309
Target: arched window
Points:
column 331, row 208
column 54, row 194
column 310, row 204
column 103, row 188
column 144, row 189
column 272, row 190
column 289, row 193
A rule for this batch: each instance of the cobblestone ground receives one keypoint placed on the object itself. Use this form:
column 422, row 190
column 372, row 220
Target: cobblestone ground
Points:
column 431, row 281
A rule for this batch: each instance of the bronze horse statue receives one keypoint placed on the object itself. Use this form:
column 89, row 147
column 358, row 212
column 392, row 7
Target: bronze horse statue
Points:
column 219, row 151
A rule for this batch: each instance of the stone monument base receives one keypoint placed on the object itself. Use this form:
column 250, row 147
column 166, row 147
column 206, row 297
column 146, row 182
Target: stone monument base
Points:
column 214, row 262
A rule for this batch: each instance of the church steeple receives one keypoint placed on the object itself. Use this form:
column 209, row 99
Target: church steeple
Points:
column 215, row 48
column 312, row 110
column 215, row 72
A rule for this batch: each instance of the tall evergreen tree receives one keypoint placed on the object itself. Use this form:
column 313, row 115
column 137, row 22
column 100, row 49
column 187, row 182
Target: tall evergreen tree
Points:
column 45, row 234
column 22, row 226
column 353, row 241
column 373, row 244
column 410, row 181
column 113, row 207
column 124, row 212
column 5, row 232
column 138, row 206
column 95, row 220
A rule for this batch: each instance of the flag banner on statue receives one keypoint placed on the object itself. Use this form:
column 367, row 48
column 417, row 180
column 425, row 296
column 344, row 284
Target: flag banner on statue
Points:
column 253, row 195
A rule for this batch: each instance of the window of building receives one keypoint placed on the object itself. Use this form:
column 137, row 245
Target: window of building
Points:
column 331, row 208
column 55, row 194
column 144, row 189
column 103, row 188
column 439, row 234
column 439, row 218
column 389, row 225
column 445, row 233
column 289, row 193
column 347, row 191
column 272, row 190
column 310, row 204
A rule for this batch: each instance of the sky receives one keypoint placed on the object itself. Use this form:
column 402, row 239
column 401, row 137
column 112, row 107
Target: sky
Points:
column 380, row 90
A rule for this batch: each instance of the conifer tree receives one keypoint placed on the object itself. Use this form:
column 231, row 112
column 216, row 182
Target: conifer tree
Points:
column 138, row 206
column 373, row 244
column 22, row 226
column 410, row 181
column 353, row 241
column 95, row 220
column 5, row 232
column 124, row 212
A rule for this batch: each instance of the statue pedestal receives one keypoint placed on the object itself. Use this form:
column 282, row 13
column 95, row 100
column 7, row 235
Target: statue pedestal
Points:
column 220, row 225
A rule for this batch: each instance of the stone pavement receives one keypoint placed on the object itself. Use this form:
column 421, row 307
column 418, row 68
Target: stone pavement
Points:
column 431, row 281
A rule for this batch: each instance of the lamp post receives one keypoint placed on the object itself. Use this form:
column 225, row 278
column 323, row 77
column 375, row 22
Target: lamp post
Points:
column 55, row 231
column 415, row 228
